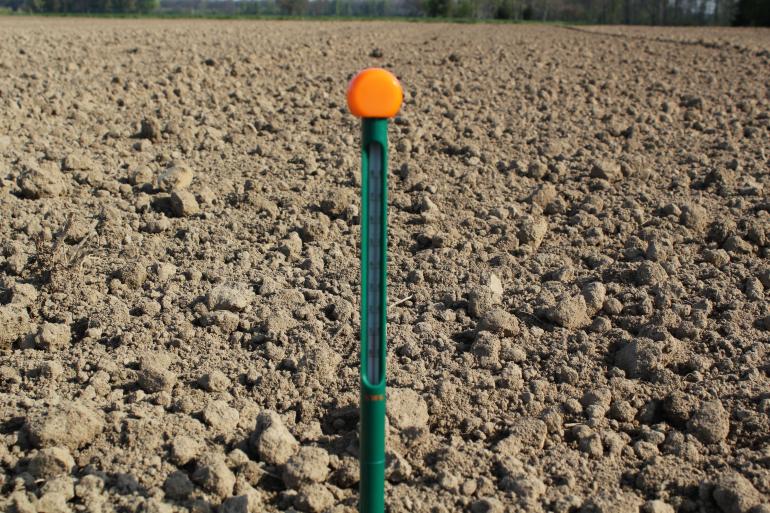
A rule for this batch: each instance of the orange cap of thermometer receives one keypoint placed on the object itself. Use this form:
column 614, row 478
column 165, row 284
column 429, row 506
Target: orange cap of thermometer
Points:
column 374, row 93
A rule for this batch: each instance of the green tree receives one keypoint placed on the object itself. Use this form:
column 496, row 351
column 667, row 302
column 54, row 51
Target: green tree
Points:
column 146, row 6
column 436, row 8
column 753, row 13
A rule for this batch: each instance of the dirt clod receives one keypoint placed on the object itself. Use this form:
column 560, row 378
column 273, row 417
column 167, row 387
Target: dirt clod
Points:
column 733, row 493
column 710, row 422
column 177, row 176
column 154, row 376
column 407, row 409
column 213, row 475
column 183, row 203
column 68, row 424
column 51, row 462
column 570, row 312
column 15, row 322
column 272, row 441
column 53, row 336
column 308, row 465
column 42, row 181
column 228, row 297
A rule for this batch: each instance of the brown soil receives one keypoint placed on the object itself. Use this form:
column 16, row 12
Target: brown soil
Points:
column 579, row 268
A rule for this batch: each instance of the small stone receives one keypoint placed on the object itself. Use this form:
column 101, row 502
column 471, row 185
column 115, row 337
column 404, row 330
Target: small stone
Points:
column 308, row 465
column 183, row 203
column 178, row 486
column 226, row 297
column 155, row 377
column 43, row 181
column 407, row 409
column 733, row 493
column 570, row 312
column 53, row 336
column 213, row 476
column 68, row 424
column 175, row 177
column 495, row 285
column 14, row 320
column 710, row 423
column 51, row 462
column 314, row 498
column 220, row 416
column 184, row 449
column 214, row 381
column 606, row 170
column 273, row 442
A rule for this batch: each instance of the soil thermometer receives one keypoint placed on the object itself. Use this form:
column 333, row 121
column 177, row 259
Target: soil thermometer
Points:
column 374, row 95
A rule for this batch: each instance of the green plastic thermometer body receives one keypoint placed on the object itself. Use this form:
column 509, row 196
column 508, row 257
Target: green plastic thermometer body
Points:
column 373, row 95
column 374, row 250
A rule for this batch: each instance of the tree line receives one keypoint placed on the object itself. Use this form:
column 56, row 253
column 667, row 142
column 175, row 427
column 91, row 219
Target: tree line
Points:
column 82, row 6
column 641, row 12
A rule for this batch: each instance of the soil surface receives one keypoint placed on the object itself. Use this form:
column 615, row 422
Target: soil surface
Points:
column 579, row 268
